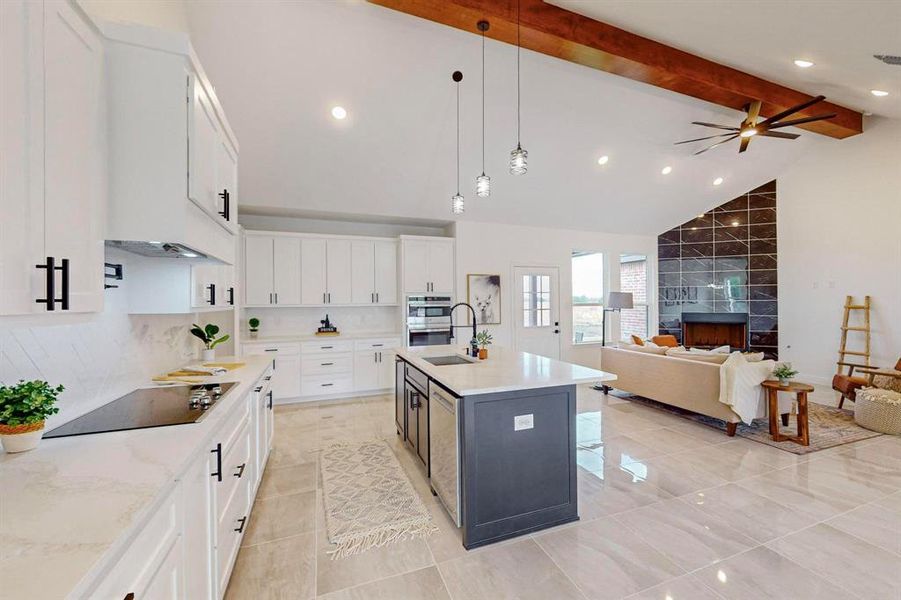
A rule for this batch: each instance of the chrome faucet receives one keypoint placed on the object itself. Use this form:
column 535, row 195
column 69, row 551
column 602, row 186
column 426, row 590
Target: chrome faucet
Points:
column 473, row 344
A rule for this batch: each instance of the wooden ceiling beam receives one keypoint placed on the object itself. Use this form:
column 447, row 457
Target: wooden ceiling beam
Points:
column 563, row 34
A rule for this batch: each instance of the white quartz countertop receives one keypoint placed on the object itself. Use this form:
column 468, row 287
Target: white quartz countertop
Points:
column 504, row 370
column 308, row 337
column 72, row 504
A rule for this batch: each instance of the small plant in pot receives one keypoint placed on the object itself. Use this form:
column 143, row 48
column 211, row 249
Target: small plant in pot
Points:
column 207, row 335
column 254, row 325
column 483, row 338
column 23, row 409
column 784, row 373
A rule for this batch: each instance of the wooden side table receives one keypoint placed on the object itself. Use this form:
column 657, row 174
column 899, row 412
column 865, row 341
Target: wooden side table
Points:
column 800, row 390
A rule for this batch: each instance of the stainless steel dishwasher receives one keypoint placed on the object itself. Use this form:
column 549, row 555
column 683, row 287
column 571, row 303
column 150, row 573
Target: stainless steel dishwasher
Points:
column 445, row 450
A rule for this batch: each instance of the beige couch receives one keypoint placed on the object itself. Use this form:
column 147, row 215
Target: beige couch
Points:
column 686, row 383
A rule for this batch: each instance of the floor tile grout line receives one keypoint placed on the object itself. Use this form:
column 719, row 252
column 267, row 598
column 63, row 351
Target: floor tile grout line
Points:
column 558, row 567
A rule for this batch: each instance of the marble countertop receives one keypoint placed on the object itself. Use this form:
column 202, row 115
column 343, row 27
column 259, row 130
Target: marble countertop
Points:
column 309, row 337
column 504, row 370
column 73, row 504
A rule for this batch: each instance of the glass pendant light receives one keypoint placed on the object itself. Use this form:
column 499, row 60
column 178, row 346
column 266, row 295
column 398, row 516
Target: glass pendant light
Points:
column 483, row 182
column 457, row 202
column 518, row 156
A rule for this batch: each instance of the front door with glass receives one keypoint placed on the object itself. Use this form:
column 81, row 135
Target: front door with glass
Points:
column 537, row 310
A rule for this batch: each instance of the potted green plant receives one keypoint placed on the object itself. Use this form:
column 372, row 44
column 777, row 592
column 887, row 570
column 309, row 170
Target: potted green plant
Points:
column 784, row 373
column 207, row 335
column 23, row 409
column 483, row 338
column 254, row 324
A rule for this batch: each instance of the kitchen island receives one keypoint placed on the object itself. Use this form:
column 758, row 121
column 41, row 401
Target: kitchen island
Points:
column 497, row 438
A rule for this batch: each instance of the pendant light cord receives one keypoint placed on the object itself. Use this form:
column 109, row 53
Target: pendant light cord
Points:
column 518, row 126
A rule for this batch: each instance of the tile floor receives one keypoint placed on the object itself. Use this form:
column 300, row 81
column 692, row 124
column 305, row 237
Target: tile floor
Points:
column 669, row 509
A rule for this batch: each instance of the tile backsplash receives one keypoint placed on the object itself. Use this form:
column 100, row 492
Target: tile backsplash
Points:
column 284, row 320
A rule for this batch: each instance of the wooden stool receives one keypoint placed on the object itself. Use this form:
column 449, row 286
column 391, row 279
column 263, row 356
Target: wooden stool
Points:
column 800, row 390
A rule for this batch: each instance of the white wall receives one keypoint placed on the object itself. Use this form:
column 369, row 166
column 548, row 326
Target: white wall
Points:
column 164, row 14
column 495, row 249
column 840, row 234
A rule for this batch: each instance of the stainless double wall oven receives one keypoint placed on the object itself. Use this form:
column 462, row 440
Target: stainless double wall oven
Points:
column 428, row 320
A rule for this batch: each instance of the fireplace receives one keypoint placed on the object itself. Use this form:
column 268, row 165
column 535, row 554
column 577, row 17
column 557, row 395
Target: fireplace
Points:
column 709, row 330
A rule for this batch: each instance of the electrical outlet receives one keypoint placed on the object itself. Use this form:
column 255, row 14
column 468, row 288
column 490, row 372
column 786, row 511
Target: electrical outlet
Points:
column 521, row 422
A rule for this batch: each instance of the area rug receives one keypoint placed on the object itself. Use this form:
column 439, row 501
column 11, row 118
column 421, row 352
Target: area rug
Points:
column 829, row 427
column 369, row 501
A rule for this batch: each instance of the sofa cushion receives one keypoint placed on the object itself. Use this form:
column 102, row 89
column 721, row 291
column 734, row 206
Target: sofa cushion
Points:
column 648, row 349
column 669, row 341
column 637, row 341
column 754, row 356
column 708, row 357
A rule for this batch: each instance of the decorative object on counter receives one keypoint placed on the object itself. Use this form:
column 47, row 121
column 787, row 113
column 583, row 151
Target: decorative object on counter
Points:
column 23, row 409
column 484, row 338
column 328, row 328
column 369, row 500
column 616, row 301
column 458, row 205
column 207, row 335
column 254, row 325
column 483, row 292
column 784, row 373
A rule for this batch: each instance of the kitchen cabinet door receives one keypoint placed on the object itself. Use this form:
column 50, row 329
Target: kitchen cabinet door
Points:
column 441, row 266
column 366, row 371
column 313, row 286
column 400, row 400
column 258, row 270
column 386, row 369
column 286, row 377
column 338, row 266
column 416, row 266
column 227, row 188
column 168, row 581
column 362, row 276
column 197, row 496
column 203, row 145
column 208, row 290
column 227, row 296
column 385, row 272
column 74, row 154
column 422, row 429
column 286, row 271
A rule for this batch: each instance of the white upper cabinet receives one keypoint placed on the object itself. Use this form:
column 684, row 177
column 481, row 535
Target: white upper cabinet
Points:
column 271, row 271
column 227, row 175
column 203, row 143
column 313, row 266
column 53, row 184
column 286, row 270
column 362, row 259
column 338, row 272
column 428, row 265
column 386, row 272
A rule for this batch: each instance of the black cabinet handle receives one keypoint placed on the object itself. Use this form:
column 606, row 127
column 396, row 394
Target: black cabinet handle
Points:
column 413, row 401
column 49, row 287
column 377, row 345
column 258, row 389
column 327, row 384
column 218, row 452
column 270, row 350
column 326, row 364
column 65, row 280
column 240, row 527
column 225, row 212
column 212, row 288
column 267, row 378
column 129, row 596
column 240, row 470
column 231, row 296
column 326, row 347
column 270, row 399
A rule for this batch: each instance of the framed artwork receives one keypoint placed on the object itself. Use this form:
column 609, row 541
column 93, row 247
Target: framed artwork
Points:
column 483, row 292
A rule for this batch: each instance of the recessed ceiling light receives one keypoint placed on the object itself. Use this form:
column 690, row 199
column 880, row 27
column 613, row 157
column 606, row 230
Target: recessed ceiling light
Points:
column 735, row 223
column 718, row 181
column 804, row 64
column 879, row 93
column 339, row 112
column 721, row 575
column 701, row 216
column 667, row 170
column 603, row 160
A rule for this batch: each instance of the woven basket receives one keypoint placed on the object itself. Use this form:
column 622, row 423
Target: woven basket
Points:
column 878, row 410
column 17, row 429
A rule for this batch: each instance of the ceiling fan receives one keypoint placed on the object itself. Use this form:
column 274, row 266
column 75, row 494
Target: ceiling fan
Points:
column 750, row 127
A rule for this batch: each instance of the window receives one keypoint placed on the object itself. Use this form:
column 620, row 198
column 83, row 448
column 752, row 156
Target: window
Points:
column 588, row 296
column 633, row 277
column 536, row 301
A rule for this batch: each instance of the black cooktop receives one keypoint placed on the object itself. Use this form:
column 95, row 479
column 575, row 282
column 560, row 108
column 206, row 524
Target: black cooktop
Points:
column 150, row 407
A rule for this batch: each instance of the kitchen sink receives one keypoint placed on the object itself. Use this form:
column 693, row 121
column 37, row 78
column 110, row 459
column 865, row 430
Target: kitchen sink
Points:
column 440, row 361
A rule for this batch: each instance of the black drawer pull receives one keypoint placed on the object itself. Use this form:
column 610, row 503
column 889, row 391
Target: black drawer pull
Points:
column 212, row 288
column 377, row 345
column 218, row 452
column 327, row 384
column 240, row 470
column 326, row 364
column 258, row 389
column 240, row 527
column 271, row 350
column 326, row 347
column 267, row 378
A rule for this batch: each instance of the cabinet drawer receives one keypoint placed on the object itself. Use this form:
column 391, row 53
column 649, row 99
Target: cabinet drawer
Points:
column 230, row 531
column 236, row 469
column 327, row 364
column 326, row 384
column 326, row 347
column 271, row 349
column 417, row 377
column 377, row 344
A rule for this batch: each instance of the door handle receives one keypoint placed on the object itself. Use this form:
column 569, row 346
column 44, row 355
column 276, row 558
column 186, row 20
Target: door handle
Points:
column 218, row 452
column 65, row 280
column 276, row 297
column 329, row 297
column 240, row 470
column 212, row 288
column 240, row 527
column 231, row 296
column 376, row 297
column 270, row 399
column 224, row 213
column 323, row 297
column 49, row 291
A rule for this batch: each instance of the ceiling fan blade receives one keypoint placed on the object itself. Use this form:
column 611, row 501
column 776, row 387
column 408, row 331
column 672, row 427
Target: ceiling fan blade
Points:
column 800, row 121
column 792, row 110
column 709, row 137
column 753, row 110
column 715, row 126
column 780, row 134
column 743, row 145
column 729, row 139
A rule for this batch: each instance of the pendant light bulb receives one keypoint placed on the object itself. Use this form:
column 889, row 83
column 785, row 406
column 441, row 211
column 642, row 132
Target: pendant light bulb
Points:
column 483, row 186
column 518, row 157
column 458, row 205
column 519, row 161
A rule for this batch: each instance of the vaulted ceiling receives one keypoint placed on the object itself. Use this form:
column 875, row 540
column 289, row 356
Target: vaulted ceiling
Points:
column 279, row 68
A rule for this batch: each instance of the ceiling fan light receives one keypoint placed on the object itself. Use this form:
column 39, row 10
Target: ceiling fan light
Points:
column 804, row 64
column 666, row 170
column 718, row 181
column 746, row 133
column 519, row 161
column 483, row 186
column 457, row 204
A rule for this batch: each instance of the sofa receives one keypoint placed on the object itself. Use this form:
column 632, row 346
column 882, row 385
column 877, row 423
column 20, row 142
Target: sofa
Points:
column 689, row 383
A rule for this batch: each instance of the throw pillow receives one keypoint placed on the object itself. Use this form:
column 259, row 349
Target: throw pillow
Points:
column 676, row 350
column 754, row 356
column 646, row 349
column 637, row 340
column 665, row 340
column 886, row 382
column 716, row 359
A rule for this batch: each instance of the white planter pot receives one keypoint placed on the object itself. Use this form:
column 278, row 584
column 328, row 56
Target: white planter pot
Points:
column 20, row 442
column 784, row 382
column 208, row 355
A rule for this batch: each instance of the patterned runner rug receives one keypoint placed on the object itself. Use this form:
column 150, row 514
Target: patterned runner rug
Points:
column 369, row 501
column 829, row 426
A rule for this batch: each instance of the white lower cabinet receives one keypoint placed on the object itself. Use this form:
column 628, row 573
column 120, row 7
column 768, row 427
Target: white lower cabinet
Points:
column 374, row 364
column 286, row 367
column 187, row 548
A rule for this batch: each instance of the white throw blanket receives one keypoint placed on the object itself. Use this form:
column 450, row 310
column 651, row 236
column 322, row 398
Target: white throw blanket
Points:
column 740, row 387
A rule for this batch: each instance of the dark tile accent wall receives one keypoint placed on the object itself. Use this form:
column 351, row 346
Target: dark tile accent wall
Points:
column 724, row 261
